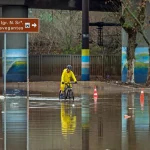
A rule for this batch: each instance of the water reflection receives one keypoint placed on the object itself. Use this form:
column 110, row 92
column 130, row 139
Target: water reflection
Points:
column 68, row 118
column 108, row 123
column 14, row 118
column 87, row 125
column 131, row 122
column 142, row 101
column 95, row 105
column 15, row 92
column 85, row 121
column 135, row 130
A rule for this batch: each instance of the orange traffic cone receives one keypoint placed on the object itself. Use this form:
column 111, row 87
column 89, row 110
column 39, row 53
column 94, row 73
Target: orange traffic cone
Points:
column 95, row 96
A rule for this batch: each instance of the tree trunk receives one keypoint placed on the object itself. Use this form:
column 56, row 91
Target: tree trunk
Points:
column 148, row 75
column 131, row 56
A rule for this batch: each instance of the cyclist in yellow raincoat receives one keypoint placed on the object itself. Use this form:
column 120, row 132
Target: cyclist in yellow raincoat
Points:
column 66, row 76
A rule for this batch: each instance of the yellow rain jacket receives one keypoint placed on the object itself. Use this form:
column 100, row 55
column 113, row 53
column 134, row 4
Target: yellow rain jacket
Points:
column 68, row 122
column 66, row 77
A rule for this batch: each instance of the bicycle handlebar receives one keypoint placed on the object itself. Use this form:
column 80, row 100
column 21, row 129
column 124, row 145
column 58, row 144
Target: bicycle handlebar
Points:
column 70, row 83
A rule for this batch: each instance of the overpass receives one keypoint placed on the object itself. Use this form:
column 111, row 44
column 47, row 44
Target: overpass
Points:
column 94, row 5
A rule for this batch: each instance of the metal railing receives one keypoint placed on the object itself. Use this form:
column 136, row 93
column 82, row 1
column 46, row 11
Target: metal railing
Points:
column 52, row 65
column 49, row 67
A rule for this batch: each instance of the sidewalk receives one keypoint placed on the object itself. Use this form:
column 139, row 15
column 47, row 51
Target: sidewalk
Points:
column 81, row 87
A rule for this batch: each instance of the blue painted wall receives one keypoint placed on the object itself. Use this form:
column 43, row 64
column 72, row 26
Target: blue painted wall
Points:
column 141, row 64
column 16, row 65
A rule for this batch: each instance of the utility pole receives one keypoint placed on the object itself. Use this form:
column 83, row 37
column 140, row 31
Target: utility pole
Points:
column 85, row 69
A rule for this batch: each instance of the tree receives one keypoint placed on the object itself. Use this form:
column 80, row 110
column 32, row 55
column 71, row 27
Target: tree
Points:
column 44, row 41
column 61, row 32
column 68, row 25
column 139, row 21
column 133, row 21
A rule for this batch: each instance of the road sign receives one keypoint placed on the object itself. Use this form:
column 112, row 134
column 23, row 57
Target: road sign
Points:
column 19, row 25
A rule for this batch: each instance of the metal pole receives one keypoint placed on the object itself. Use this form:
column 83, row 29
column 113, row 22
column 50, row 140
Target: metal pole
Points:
column 27, row 47
column 4, row 76
column 85, row 74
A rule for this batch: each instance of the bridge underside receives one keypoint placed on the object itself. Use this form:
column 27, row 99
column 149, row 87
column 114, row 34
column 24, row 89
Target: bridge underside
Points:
column 95, row 5
column 18, row 72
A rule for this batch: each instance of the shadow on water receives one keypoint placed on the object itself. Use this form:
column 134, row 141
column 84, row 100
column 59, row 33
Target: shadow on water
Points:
column 113, row 121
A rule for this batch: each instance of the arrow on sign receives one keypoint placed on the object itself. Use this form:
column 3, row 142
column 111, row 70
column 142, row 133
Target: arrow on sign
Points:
column 34, row 25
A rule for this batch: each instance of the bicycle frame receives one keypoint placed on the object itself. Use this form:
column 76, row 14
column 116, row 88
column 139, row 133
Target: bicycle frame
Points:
column 68, row 91
column 68, row 86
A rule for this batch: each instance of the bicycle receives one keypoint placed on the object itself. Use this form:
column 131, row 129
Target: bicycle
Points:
column 68, row 92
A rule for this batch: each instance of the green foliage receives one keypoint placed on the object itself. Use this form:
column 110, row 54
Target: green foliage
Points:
column 95, row 49
column 128, row 25
column 46, row 16
column 73, row 50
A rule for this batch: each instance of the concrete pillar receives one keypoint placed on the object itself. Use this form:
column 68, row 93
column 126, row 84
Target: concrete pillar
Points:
column 141, row 55
column 15, row 46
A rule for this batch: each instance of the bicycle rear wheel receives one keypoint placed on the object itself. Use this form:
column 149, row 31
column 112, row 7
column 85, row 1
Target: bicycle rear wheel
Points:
column 59, row 95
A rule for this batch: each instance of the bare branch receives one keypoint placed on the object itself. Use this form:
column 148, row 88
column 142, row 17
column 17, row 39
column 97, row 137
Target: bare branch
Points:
column 141, row 30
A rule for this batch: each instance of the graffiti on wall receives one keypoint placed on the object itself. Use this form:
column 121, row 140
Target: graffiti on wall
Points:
column 141, row 64
column 16, row 65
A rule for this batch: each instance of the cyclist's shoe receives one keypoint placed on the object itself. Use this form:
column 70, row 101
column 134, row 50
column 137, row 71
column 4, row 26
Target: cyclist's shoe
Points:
column 62, row 96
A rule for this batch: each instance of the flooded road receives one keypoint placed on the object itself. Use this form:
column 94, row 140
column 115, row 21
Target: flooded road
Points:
column 112, row 122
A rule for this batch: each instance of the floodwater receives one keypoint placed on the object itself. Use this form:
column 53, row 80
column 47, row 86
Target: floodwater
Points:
column 112, row 122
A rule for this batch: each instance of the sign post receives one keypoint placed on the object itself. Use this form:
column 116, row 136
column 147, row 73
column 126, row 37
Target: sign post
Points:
column 17, row 25
column 27, row 46
column 4, row 76
column 4, row 67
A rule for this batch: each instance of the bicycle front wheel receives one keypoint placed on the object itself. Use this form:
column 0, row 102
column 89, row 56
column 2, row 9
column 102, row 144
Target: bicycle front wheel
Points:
column 71, row 95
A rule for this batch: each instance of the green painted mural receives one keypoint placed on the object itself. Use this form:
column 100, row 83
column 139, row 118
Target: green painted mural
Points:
column 141, row 64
